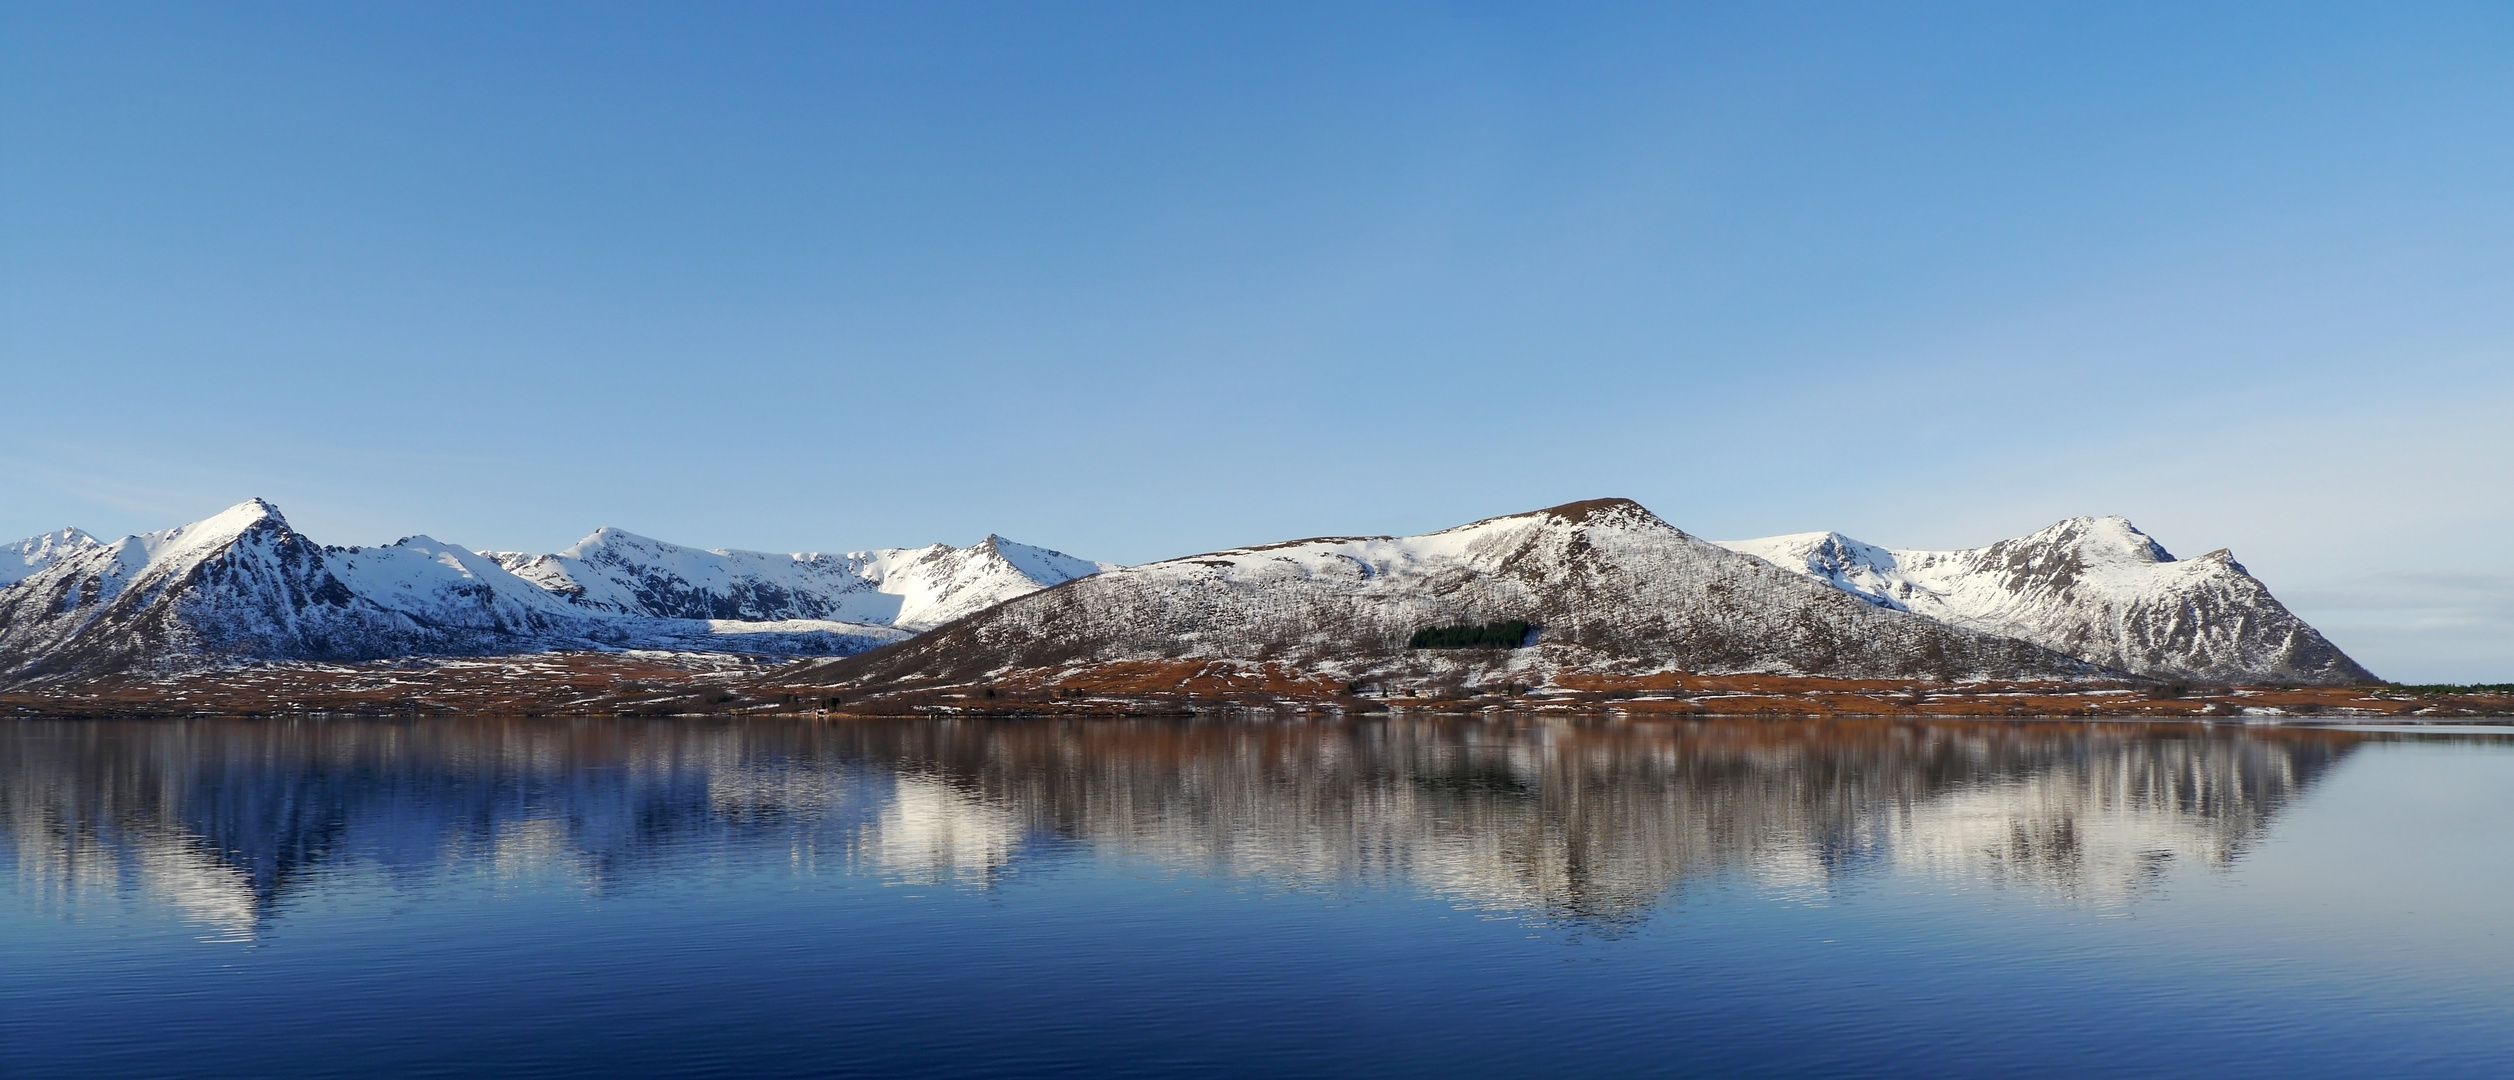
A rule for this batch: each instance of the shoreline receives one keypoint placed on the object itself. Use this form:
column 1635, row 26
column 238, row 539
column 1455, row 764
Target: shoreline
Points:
column 715, row 685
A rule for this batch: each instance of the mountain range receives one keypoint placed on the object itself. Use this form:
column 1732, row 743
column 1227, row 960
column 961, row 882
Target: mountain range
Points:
column 1602, row 585
column 243, row 585
column 2093, row 588
column 1605, row 584
column 622, row 573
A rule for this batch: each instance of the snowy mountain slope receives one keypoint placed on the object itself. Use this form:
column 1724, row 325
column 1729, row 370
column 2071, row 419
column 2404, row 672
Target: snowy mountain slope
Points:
column 243, row 585
column 36, row 552
column 2094, row 588
column 622, row 573
column 1607, row 583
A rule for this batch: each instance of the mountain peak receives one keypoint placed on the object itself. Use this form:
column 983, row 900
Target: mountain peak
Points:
column 610, row 536
column 64, row 537
column 2110, row 535
column 1608, row 511
column 36, row 552
column 1605, row 513
column 1827, row 553
column 214, row 531
column 246, row 514
column 2224, row 557
column 1045, row 566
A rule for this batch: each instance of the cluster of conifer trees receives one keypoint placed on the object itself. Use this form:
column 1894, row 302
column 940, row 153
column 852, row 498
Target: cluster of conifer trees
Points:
column 1492, row 635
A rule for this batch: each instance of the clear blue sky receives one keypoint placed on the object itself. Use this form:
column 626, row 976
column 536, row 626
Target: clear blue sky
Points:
column 1136, row 281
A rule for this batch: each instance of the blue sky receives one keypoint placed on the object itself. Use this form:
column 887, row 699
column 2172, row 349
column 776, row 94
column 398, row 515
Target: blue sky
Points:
column 1137, row 281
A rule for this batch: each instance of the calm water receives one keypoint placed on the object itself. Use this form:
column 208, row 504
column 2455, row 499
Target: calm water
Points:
column 539, row 897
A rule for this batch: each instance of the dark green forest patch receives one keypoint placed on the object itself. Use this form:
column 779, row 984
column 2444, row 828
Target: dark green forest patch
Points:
column 2459, row 688
column 1508, row 634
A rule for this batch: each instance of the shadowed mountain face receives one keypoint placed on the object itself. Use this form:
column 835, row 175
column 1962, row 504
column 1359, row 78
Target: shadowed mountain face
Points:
column 226, row 821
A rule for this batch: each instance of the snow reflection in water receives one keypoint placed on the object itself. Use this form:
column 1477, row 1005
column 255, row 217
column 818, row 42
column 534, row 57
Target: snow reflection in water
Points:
column 224, row 822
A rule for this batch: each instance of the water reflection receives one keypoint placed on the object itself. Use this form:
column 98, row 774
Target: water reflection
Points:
column 226, row 822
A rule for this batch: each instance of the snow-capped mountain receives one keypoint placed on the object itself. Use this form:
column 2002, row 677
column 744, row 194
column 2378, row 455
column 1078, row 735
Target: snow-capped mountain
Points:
column 1606, row 582
column 2094, row 588
column 243, row 585
column 36, row 552
column 622, row 573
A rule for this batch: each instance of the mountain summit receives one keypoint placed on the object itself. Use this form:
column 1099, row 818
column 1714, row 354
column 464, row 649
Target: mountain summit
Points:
column 36, row 552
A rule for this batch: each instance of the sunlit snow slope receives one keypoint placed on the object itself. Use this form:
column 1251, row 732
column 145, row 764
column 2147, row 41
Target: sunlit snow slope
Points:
column 622, row 573
column 2094, row 588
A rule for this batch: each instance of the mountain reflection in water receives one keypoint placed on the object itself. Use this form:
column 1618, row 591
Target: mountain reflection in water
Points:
column 1591, row 823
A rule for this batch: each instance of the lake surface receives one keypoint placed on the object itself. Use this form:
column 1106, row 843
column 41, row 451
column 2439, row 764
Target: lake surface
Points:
column 475, row 897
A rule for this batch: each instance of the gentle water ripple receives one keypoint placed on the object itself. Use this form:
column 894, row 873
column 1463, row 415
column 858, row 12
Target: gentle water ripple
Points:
column 553, row 897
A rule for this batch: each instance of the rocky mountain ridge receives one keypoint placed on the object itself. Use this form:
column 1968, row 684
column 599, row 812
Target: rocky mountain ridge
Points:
column 2095, row 588
column 622, row 573
column 36, row 552
column 244, row 586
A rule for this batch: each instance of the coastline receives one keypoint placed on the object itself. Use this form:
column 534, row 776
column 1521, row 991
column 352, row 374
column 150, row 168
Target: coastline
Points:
column 655, row 684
